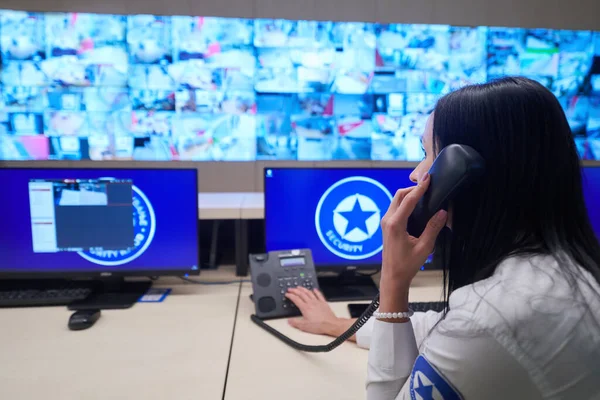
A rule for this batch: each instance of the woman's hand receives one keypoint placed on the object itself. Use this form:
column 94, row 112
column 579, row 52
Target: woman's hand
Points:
column 317, row 316
column 403, row 255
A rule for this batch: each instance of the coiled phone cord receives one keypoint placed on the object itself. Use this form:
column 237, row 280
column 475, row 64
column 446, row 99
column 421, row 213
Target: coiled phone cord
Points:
column 325, row 347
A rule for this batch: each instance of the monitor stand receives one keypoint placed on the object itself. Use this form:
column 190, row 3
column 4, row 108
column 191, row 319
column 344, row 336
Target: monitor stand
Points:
column 348, row 285
column 112, row 294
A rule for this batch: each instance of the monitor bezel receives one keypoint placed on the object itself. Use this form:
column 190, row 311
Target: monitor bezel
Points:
column 318, row 266
column 103, row 274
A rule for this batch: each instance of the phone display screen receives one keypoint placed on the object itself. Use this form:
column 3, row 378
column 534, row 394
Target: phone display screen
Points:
column 292, row 262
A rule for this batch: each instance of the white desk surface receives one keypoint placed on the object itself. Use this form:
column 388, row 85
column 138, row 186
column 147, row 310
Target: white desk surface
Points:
column 242, row 205
column 220, row 205
column 177, row 349
column 253, row 206
column 262, row 367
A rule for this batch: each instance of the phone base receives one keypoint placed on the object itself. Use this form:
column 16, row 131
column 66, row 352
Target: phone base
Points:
column 348, row 287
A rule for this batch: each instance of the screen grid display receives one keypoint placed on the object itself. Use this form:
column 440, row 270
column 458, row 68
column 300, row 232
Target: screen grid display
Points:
column 78, row 86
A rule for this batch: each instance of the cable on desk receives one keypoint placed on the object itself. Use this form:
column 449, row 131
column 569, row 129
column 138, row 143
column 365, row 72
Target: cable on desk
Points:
column 326, row 347
column 196, row 282
column 237, row 309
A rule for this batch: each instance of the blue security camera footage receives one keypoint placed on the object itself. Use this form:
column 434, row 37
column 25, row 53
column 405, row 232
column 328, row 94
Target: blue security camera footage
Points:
column 77, row 86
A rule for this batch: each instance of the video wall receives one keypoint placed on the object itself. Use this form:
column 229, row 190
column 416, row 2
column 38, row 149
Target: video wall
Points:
column 108, row 87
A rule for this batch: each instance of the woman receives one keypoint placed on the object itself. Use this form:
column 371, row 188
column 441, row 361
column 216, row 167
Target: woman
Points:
column 523, row 270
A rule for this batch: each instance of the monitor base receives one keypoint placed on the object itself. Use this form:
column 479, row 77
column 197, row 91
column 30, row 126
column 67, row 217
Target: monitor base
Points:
column 348, row 286
column 113, row 295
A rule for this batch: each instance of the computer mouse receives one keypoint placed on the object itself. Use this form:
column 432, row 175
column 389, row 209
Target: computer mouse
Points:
column 83, row 319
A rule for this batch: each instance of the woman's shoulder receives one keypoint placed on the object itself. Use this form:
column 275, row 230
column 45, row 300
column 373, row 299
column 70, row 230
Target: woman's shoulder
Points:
column 525, row 291
column 543, row 310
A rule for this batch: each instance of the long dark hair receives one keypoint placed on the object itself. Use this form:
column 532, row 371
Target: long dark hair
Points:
column 530, row 200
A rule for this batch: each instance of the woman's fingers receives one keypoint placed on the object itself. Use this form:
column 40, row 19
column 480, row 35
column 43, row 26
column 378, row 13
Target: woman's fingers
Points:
column 297, row 300
column 396, row 201
column 304, row 295
column 319, row 295
column 400, row 194
column 308, row 294
column 410, row 202
column 427, row 239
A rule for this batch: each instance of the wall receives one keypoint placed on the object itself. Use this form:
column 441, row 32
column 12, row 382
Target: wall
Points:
column 557, row 14
column 240, row 176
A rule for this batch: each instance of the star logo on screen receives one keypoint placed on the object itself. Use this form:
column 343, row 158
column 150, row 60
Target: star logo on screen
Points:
column 348, row 215
column 144, row 227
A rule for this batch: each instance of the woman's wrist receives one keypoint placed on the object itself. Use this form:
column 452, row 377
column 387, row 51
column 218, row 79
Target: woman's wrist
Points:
column 390, row 284
column 336, row 326
column 393, row 296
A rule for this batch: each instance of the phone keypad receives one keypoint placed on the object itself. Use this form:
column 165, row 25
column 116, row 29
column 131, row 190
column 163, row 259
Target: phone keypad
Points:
column 287, row 282
column 284, row 276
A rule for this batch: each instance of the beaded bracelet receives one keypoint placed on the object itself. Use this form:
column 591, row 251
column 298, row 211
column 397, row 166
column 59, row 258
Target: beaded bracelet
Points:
column 393, row 315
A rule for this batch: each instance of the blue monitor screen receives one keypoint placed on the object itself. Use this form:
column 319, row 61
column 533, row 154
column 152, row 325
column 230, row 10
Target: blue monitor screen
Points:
column 334, row 212
column 591, row 190
column 87, row 221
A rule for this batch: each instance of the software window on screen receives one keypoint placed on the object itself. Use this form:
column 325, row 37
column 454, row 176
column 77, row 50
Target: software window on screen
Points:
column 81, row 215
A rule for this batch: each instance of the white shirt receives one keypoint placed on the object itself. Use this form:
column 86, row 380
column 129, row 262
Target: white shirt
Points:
column 521, row 334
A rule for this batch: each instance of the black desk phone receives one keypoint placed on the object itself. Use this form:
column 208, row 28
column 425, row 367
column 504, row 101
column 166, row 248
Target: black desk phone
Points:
column 455, row 168
column 273, row 274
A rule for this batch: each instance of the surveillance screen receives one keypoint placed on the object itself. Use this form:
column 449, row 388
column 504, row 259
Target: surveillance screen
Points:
column 78, row 86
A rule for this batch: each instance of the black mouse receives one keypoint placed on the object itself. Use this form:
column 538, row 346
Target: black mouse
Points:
column 83, row 319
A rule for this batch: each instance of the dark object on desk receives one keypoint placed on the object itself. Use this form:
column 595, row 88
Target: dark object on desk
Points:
column 348, row 285
column 357, row 309
column 83, row 319
column 276, row 272
column 113, row 294
column 39, row 293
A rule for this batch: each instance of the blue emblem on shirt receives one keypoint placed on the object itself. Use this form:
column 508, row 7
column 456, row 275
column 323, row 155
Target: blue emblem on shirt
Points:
column 426, row 383
column 348, row 215
column 144, row 227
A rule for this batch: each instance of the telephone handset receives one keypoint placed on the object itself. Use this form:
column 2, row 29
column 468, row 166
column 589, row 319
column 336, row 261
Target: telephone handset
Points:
column 456, row 167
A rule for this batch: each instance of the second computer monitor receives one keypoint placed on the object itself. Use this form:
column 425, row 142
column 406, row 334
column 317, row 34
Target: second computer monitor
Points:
column 335, row 212
column 83, row 222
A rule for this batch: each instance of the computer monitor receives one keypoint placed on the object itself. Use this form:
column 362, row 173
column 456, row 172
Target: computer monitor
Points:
column 591, row 191
column 98, row 223
column 335, row 212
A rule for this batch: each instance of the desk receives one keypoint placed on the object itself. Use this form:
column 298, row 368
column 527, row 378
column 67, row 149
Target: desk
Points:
column 236, row 206
column 242, row 205
column 220, row 205
column 253, row 206
column 263, row 367
column 177, row 349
